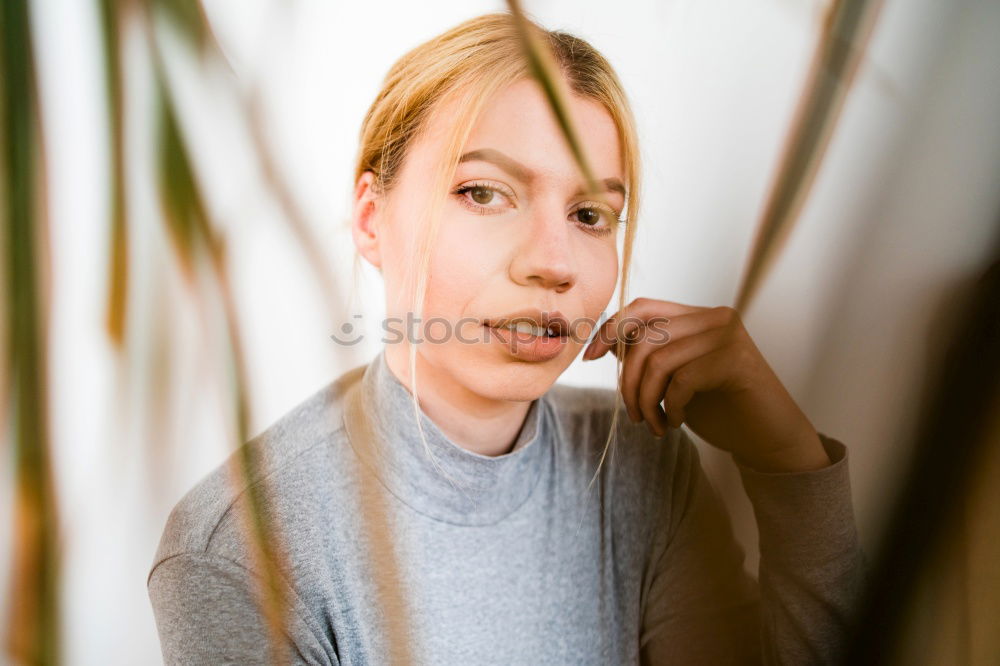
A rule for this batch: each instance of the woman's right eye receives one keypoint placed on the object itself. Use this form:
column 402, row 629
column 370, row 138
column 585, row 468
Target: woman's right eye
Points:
column 482, row 198
column 481, row 195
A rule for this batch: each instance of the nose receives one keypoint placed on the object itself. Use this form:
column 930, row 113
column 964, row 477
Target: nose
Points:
column 545, row 254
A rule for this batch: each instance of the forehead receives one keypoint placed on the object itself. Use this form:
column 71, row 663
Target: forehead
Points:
column 519, row 122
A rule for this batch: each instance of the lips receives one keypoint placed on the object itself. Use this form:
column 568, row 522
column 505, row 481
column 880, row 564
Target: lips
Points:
column 554, row 322
column 531, row 335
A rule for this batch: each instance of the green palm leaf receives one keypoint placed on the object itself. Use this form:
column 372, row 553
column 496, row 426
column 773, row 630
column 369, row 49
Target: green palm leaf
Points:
column 33, row 632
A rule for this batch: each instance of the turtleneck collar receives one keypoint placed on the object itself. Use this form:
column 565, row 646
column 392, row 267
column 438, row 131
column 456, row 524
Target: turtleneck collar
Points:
column 447, row 483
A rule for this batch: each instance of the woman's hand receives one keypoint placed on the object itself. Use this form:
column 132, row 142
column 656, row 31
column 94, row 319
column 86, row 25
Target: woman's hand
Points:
column 702, row 365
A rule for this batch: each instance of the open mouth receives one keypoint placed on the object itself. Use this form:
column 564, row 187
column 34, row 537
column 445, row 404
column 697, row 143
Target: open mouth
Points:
column 548, row 328
column 530, row 329
column 531, row 335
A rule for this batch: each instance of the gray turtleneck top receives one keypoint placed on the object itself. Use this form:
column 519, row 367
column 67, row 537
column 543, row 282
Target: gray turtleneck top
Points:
column 507, row 559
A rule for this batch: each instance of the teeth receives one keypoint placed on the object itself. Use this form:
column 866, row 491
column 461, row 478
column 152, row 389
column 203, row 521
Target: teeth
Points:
column 526, row 327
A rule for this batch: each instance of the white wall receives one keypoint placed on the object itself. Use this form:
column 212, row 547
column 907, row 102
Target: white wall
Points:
column 901, row 212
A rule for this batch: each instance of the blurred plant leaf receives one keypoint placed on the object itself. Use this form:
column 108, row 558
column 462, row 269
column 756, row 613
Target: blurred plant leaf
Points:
column 112, row 23
column 545, row 69
column 942, row 528
column 188, row 224
column 382, row 551
column 294, row 215
column 269, row 555
column 185, row 217
column 190, row 18
column 33, row 632
column 842, row 45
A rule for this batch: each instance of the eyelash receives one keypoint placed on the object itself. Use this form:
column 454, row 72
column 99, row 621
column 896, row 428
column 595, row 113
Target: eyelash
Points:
column 481, row 209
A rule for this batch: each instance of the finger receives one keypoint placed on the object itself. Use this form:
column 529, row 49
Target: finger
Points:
column 632, row 371
column 624, row 321
column 705, row 373
column 692, row 323
column 635, row 364
column 619, row 327
column 660, row 365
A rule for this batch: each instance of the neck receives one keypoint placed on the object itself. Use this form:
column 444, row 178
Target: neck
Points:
column 479, row 424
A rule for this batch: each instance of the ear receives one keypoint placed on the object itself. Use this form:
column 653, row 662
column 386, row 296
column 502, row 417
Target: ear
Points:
column 364, row 219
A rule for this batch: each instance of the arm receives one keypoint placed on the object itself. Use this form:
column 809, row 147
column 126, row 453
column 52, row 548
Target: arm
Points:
column 811, row 563
column 206, row 613
column 702, row 608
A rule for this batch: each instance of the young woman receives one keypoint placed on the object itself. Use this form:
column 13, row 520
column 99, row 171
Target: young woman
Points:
column 448, row 503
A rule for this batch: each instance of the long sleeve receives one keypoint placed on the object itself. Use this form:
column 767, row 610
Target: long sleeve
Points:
column 702, row 607
column 206, row 614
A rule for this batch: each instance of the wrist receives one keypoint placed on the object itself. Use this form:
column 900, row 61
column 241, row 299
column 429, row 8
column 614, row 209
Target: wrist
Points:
column 807, row 455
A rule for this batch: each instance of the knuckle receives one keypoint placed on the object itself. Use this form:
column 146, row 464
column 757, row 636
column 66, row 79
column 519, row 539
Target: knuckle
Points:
column 660, row 360
column 744, row 354
column 680, row 380
column 638, row 304
column 727, row 313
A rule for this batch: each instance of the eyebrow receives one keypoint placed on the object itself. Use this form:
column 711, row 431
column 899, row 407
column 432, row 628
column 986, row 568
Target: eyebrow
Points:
column 523, row 173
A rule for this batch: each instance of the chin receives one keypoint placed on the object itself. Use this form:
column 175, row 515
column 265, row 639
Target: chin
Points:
column 511, row 379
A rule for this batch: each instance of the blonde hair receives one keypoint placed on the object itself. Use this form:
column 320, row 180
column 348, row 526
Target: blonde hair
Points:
column 466, row 65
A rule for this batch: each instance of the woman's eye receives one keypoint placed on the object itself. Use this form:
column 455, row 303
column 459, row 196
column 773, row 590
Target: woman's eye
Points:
column 481, row 195
column 589, row 216
column 484, row 198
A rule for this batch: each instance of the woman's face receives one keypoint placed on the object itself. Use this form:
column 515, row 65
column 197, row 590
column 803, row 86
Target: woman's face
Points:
column 517, row 238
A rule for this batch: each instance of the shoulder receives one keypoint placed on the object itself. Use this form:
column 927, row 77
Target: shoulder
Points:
column 285, row 454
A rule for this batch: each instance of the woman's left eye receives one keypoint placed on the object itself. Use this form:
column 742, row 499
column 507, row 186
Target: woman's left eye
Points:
column 590, row 217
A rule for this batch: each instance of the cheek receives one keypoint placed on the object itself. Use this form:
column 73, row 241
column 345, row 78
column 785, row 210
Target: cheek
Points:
column 462, row 265
column 598, row 277
column 397, row 249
